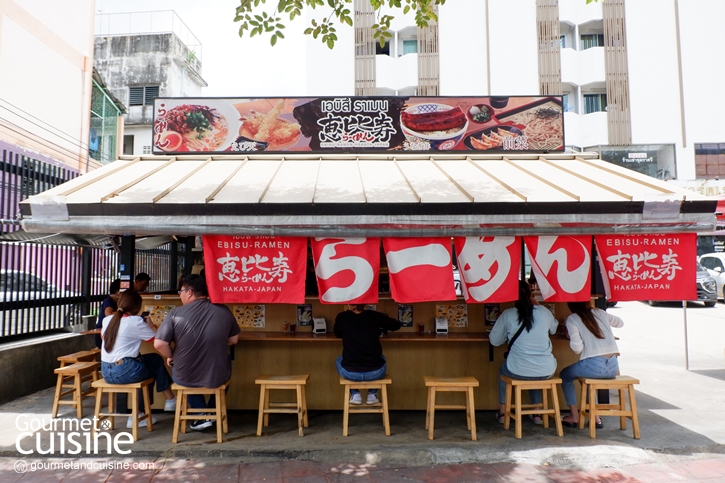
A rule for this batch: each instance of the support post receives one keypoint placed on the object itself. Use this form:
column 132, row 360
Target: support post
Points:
column 128, row 261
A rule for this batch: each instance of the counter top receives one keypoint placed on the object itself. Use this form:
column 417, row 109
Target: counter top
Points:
column 390, row 336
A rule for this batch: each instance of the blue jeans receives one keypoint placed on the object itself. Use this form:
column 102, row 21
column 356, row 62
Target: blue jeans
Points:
column 361, row 376
column 597, row 367
column 198, row 401
column 137, row 369
column 535, row 395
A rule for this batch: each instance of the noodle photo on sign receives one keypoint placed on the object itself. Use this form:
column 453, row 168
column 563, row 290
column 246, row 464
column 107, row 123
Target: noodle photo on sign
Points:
column 542, row 126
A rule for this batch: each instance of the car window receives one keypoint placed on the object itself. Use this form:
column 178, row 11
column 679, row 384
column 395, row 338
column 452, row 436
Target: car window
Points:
column 707, row 262
column 716, row 262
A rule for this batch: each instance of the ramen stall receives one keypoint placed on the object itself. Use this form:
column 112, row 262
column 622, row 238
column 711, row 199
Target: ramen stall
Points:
column 263, row 215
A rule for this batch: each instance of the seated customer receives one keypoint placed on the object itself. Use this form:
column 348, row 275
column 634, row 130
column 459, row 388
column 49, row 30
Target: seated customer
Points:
column 590, row 334
column 362, row 354
column 108, row 306
column 141, row 282
column 529, row 357
column 202, row 333
column 121, row 362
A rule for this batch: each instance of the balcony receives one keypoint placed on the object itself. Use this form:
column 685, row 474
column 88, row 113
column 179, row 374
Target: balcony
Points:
column 585, row 129
column 582, row 67
column 396, row 72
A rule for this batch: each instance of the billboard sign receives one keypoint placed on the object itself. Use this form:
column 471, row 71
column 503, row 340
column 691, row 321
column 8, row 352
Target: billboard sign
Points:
column 358, row 124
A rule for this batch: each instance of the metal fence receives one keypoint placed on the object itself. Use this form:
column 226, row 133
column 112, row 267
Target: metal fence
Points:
column 42, row 286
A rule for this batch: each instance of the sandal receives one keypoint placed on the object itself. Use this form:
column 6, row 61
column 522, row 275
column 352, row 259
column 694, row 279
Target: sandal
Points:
column 536, row 418
column 501, row 417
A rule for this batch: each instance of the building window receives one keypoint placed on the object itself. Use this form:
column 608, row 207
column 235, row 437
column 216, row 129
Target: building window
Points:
column 128, row 144
column 410, row 47
column 142, row 96
column 710, row 160
column 147, row 149
column 595, row 103
column 562, row 41
column 592, row 40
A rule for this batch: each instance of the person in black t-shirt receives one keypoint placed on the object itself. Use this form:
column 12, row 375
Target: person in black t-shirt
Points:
column 362, row 354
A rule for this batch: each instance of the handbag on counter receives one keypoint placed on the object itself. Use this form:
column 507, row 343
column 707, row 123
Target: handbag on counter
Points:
column 513, row 339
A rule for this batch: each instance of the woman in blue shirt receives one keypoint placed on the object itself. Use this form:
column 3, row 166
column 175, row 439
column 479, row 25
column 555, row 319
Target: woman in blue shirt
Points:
column 530, row 356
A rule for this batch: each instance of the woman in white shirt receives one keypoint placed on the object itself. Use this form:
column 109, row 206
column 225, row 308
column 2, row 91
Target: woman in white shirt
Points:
column 121, row 363
column 590, row 334
column 530, row 356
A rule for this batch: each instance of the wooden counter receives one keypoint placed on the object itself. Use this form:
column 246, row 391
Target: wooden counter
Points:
column 464, row 351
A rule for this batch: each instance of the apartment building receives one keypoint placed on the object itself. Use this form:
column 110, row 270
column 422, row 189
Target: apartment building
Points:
column 639, row 79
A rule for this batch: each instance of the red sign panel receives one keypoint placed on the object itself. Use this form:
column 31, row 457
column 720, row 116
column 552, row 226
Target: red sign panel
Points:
column 562, row 266
column 420, row 269
column 255, row 269
column 489, row 268
column 347, row 269
column 648, row 267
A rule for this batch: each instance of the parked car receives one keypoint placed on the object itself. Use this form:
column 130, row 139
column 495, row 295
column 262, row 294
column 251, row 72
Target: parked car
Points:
column 715, row 265
column 707, row 288
column 18, row 286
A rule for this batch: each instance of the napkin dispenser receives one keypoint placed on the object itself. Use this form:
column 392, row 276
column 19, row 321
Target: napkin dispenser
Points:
column 441, row 325
column 319, row 325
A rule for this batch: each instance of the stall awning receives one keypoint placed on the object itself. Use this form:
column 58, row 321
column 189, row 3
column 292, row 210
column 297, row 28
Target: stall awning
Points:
column 380, row 195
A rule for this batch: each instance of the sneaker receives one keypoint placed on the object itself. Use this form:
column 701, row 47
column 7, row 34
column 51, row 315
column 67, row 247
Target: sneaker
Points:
column 141, row 424
column 536, row 418
column 200, row 424
column 372, row 399
column 170, row 405
column 356, row 399
column 501, row 417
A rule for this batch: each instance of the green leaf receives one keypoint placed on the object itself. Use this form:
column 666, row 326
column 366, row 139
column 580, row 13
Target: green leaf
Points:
column 273, row 40
column 406, row 9
column 259, row 18
column 348, row 21
column 279, row 34
column 331, row 44
column 308, row 31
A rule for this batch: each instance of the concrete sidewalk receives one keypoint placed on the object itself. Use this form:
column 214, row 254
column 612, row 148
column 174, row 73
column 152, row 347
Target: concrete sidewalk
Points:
column 683, row 434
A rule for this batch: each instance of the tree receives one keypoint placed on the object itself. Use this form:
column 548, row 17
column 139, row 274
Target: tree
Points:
column 255, row 19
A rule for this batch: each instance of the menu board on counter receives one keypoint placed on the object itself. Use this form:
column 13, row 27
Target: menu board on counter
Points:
column 304, row 315
column 157, row 313
column 249, row 316
column 405, row 315
column 456, row 314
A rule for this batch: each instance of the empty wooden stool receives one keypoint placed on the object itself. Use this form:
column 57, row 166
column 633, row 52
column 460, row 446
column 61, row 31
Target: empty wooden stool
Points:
column 295, row 383
column 382, row 407
column 591, row 409
column 450, row 384
column 131, row 390
column 520, row 409
column 218, row 413
column 71, row 379
column 92, row 355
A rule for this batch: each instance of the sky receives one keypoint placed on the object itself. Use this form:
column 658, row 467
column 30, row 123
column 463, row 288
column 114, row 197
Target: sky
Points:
column 232, row 66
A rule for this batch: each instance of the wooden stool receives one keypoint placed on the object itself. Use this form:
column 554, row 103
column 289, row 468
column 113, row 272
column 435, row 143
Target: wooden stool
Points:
column 592, row 409
column 543, row 408
column 184, row 413
column 93, row 355
column 450, row 384
column 131, row 390
column 382, row 407
column 78, row 373
column 295, row 383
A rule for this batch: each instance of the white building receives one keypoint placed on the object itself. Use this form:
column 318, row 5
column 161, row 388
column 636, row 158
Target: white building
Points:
column 142, row 55
column 641, row 79
column 46, row 61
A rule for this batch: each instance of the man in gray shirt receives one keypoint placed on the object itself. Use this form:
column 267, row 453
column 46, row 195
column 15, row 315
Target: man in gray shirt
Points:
column 201, row 333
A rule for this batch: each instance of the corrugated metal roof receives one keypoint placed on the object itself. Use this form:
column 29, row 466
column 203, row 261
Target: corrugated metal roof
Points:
column 197, row 193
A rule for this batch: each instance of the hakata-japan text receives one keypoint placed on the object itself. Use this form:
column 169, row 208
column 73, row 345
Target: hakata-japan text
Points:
column 648, row 267
column 255, row 269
